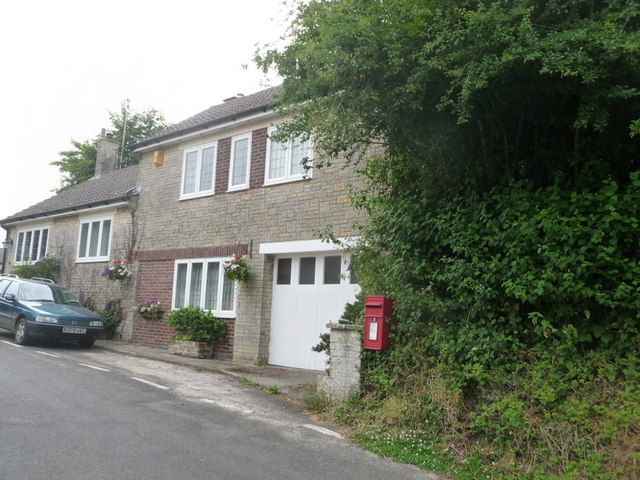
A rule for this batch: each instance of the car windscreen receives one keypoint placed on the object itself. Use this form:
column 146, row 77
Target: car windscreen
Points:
column 64, row 295
column 35, row 292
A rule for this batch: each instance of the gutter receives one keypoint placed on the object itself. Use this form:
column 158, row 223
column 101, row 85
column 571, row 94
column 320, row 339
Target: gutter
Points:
column 78, row 209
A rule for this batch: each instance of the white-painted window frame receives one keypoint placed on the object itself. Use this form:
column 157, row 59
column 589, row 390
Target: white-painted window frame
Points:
column 85, row 257
column 198, row 150
column 217, row 311
column 19, row 254
column 232, row 162
column 288, row 148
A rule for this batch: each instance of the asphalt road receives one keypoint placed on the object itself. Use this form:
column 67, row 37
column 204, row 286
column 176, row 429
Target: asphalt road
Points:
column 69, row 413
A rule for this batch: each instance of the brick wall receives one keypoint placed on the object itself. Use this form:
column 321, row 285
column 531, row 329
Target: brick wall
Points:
column 155, row 282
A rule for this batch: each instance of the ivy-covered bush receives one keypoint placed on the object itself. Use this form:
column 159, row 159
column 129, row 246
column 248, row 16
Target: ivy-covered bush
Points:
column 196, row 325
column 46, row 267
column 111, row 317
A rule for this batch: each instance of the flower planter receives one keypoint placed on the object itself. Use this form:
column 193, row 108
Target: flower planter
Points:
column 152, row 315
column 184, row 348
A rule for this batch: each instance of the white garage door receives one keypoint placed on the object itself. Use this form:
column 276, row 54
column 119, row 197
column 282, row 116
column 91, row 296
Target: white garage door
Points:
column 309, row 291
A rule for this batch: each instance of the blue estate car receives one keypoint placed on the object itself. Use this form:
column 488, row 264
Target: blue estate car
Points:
column 40, row 309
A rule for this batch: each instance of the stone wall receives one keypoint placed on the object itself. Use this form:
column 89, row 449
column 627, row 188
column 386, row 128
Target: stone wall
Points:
column 84, row 278
column 344, row 379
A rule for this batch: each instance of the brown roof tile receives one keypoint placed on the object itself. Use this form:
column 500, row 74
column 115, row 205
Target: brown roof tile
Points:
column 229, row 110
column 114, row 186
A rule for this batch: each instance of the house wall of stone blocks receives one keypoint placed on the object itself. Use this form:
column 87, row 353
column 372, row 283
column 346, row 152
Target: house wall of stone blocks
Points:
column 231, row 222
column 84, row 278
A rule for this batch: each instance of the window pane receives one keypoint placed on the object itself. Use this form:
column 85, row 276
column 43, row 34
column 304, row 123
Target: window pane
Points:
column 332, row 270
column 181, row 285
column 94, row 235
column 190, row 171
column 84, row 235
column 27, row 246
column 211, row 293
column 35, row 245
column 195, row 286
column 206, row 172
column 19, row 247
column 104, row 242
column 240, row 162
column 12, row 289
column 276, row 160
column 307, row 271
column 299, row 152
column 284, row 271
column 43, row 242
column 228, row 289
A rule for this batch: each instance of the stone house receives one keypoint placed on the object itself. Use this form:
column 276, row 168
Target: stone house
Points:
column 84, row 227
column 217, row 184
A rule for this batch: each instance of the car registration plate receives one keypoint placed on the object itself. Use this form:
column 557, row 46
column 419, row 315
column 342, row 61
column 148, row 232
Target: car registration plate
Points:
column 74, row 330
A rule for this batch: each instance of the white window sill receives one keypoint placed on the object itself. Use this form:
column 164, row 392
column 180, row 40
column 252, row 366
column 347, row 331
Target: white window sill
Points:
column 282, row 181
column 238, row 188
column 92, row 260
column 198, row 195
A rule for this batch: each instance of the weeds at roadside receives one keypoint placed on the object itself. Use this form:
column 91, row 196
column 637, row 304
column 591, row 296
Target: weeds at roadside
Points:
column 270, row 389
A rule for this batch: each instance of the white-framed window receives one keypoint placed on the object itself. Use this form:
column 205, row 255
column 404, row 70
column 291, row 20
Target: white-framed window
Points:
column 94, row 239
column 201, row 282
column 240, row 164
column 199, row 171
column 32, row 244
column 285, row 160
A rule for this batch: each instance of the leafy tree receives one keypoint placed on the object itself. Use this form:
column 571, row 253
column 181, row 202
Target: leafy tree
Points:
column 478, row 105
column 78, row 164
column 504, row 217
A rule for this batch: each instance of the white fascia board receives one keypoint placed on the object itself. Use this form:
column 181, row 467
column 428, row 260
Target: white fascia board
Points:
column 68, row 213
column 207, row 131
column 303, row 246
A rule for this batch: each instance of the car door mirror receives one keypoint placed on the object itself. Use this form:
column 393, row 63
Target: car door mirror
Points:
column 10, row 297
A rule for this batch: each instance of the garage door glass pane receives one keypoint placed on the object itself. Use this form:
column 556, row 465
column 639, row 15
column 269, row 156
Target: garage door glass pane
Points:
column 332, row 270
column 307, row 270
column 284, row 271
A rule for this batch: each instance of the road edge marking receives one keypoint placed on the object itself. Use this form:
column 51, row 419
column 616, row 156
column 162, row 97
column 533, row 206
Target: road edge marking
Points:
column 147, row 382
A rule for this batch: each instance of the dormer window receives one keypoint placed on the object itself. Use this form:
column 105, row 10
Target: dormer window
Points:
column 198, row 171
column 286, row 160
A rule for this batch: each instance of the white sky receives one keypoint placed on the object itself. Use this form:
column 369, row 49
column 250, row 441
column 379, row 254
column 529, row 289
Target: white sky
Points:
column 67, row 63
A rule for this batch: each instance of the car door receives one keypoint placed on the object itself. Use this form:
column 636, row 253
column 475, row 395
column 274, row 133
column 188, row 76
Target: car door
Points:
column 7, row 307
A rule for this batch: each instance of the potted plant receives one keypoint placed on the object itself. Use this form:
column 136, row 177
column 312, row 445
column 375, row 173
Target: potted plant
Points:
column 238, row 268
column 197, row 332
column 150, row 309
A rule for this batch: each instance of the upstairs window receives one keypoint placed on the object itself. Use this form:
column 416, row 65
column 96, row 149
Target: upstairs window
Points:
column 286, row 160
column 32, row 245
column 202, row 283
column 240, row 162
column 94, row 241
column 198, row 171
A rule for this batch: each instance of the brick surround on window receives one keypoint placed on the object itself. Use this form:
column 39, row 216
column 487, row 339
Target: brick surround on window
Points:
column 156, row 282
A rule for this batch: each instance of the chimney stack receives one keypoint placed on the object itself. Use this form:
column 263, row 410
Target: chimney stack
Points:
column 107, row 154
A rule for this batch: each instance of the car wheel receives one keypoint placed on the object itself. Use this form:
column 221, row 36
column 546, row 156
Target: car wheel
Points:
column 87, row 343
column 21, row 334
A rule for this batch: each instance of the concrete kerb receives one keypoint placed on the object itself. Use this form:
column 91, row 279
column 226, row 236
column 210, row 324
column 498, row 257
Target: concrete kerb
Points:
column 291, row 382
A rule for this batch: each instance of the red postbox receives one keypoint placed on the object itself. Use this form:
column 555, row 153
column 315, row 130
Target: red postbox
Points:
column 377, row 327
